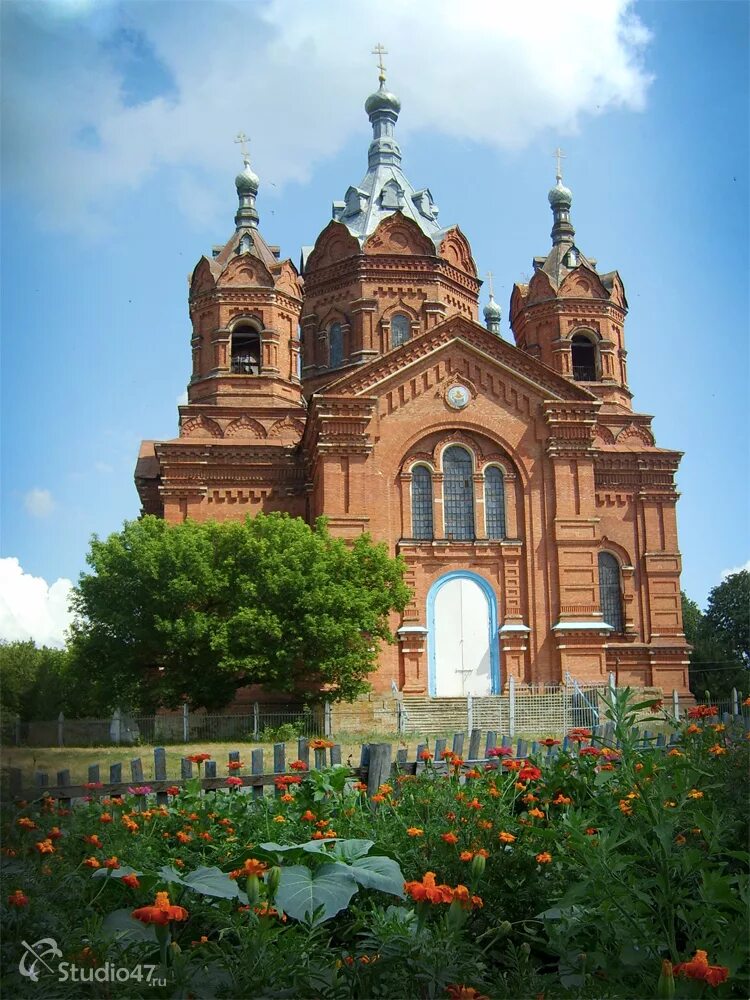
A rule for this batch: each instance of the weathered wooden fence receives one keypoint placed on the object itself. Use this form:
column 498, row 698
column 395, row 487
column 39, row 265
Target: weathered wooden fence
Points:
column 376, row 765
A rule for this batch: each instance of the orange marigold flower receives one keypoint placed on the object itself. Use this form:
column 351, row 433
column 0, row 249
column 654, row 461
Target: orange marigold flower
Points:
column 112, row 863
column 465, row 856
column 680, row 840
column 45, row 846
column 359, row 786
column 178, row 863
column 474, row 804
column 484, row 824
column 473, row 773
column 131, row 881
column 415, row 831
column 17, row 898
column 105, row 818
column 205, row 836
column 428, row 891
column 506, row 838
column 286, row 797
column 322, row 822
column 692, row 729
column 249, row 867
column 698, row 968
column 426, row 754
column 308, row 816
column 26, row 823
column 591, row 831
column 319, row 744
column 202, row 940
column 625, row 807
column 92, row 862
column 717, row 749
column 377, row 798
column 184, row 836
column 561, row 800
column 746, row 702
column 449, row 838
column 161, row 912
column 319, row 835
column 536, row 813
column 513, row 765
column 695, row 793
column 461, row 992
column 544, row 858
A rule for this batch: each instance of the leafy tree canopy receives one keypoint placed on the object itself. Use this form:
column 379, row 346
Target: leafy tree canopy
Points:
column 35, row 682
column 197, row 610
column 720, row 659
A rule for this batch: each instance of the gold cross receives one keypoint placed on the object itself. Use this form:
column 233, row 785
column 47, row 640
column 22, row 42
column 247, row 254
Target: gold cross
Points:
column 379, row 51
column 559, row 155
column 489, row 275
column 241, row 140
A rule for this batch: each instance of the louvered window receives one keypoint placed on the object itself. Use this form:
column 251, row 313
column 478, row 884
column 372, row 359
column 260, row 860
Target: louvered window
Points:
column 610, row 593
column 421, row 503
column 458, row 494
column 494, row 502
column 335, row 345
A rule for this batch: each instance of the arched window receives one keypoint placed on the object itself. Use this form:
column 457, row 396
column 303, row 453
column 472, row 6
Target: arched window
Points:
column 335, row 345
column 421, row 502
column 245, row 351
column 400, row 329
column 610, row 592
column 583, row 355
column 494, row 502
column 458, row 493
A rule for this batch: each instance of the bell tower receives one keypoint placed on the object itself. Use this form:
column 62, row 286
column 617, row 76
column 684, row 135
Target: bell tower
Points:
column 569, row 315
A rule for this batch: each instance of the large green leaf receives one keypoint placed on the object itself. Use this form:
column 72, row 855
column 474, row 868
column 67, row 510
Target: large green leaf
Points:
column 120, row 872
column 350, row 850
column 125, row 930
column 377, row 873
column 211, row 882
column 169, row 874
column 302, row 892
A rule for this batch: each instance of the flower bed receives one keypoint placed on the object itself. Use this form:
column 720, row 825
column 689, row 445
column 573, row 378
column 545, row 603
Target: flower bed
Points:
column 592, row 872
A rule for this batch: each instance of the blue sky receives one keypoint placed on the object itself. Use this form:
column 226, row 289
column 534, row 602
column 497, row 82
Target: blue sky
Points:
column 118, row 122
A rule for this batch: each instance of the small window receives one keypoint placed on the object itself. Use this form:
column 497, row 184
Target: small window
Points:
column 400, row 329
column 458, row 494
column 335, row 345
column 583, row 355
column 610, row 591
column 494, row 502
column 245, row 352
column 421, row 503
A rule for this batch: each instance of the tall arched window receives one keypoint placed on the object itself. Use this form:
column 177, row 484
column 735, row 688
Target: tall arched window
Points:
column 400, row 329
column 335, row 345
column 494, row 502
column 610, row 592
column 458, row 493
column 421, row 502
column 245, row 351
column 583, row 356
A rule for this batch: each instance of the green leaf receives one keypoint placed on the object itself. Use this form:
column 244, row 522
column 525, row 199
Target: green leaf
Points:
column 301, row 892
column 350, row 850
column 120, row 872
column 211, row 882
column 169, row 874
column 377, row 873
column 125, row 930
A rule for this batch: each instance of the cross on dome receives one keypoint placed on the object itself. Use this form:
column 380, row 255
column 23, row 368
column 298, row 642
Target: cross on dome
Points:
column 558, row 155
column 380, row 51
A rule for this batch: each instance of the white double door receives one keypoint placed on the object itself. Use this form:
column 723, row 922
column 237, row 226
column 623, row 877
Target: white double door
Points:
column 462, row 637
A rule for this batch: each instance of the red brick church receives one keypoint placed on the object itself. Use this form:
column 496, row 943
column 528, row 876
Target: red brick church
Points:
column 534, row 511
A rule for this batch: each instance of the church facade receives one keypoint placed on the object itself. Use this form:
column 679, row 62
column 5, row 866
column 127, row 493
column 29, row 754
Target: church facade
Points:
column 533, row 509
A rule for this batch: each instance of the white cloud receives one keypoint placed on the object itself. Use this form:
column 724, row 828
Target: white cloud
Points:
column 39, row 503
column 738, row 569
column 294, row 76
column 30, row 608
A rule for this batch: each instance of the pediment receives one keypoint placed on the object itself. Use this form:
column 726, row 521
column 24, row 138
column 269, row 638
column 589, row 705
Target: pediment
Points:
column 286, row 279
column 246, row 271
column 203, row 279
column 583, row 283
column 334, row 243
column 540, row 288
column 456, row 250
column 396, row 235
column 484, row 357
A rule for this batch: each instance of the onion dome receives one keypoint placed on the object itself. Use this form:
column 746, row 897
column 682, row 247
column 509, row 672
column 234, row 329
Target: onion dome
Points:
column 559, row 195
column 492, row 315
column 382, row 100
column 248, row 181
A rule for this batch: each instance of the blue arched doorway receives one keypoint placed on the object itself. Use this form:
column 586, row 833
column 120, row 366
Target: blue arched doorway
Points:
column 463, row 649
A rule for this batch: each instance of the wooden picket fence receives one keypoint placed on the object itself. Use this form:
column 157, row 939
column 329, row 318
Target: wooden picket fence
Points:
column 377, row 765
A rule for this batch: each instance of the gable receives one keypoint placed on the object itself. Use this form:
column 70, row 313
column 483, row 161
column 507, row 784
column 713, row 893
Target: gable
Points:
column 334, row 243
column 496, row 358
column 397, row 234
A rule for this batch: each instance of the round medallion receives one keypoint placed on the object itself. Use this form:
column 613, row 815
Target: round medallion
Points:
column 458, row 396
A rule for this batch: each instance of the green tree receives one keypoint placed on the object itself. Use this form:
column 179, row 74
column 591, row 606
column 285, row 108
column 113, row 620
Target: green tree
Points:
column 35, row 682
column 194, row 611
column 716, row 664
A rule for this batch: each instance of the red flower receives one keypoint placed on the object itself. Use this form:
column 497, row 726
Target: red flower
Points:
column 428, row 891
column 173, row 790
column 578, row 735
column 702, row 712
column 456, row 992
column 17, row 898
column 698, row 968
column 298, row 765
column 131, row 881
column 589, row 752
column 161, row 912
column 449, row 838
column 529, row 773
column 234, row 782
column 235, row 765
column 91, row 838
column 112, row 863
column 198, row 758
column 549, row 742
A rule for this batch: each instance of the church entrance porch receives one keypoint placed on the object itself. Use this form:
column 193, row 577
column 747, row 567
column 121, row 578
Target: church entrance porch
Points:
column 462, row 637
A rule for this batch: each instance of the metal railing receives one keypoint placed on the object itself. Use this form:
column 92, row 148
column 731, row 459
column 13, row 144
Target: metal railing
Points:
column 584, row 373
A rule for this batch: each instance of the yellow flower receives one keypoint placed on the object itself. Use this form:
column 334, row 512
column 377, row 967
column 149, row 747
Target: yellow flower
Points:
column 694, row 793
column 415, row 831
column 279, row 819
column 718, row 727
column 670, row 804
column 717, row 749
column 506, row 838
